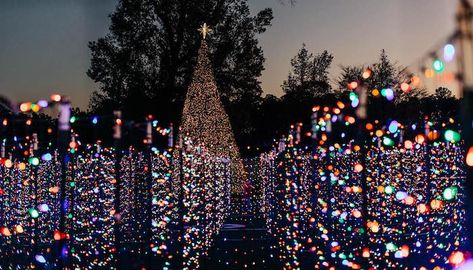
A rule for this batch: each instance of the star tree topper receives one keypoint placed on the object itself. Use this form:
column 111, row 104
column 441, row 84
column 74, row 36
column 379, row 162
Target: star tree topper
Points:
column 204, row 30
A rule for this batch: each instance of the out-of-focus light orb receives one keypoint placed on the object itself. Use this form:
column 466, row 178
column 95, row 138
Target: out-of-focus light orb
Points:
column 389, row 190
column 438, row 66
column 388, row 141
column 353, row 85
column 393, row 126
column 405, row 87
column 46, row 157
column 448, row 52
column 40, row 258
column 367, row 73
column 408, row 144
column 450, row 193
column 469, row 157
column 452, row 136
column 429, row 73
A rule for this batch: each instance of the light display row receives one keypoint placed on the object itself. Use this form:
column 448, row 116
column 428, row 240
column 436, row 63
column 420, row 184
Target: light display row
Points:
column 170, row 207
column 393, row 208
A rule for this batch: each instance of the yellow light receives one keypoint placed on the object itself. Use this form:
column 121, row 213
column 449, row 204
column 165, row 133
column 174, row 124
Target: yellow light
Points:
column 429, row 73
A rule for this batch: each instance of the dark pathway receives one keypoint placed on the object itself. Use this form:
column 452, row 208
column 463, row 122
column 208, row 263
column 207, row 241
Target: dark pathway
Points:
column 243, row 243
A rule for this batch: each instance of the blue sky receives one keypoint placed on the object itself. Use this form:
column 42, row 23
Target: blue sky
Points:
column 44, row 43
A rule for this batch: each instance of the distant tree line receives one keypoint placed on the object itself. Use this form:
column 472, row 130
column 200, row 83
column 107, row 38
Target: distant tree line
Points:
column 145, row 63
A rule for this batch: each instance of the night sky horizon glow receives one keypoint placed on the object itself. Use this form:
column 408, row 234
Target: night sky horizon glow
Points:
column 43, row 47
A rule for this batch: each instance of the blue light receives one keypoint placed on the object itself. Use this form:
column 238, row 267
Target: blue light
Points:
column 389, row 94
column 95, row 120
column 393, row 126
column 448, row 52
column 46, row 157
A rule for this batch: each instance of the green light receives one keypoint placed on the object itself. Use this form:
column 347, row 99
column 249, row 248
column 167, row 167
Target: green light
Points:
column 450, row 193
column 353, row 96
column 452, row 136
column 383, row 92
column 389, row 190
column 388, row 141
column 73, row 184
column 34, row 161
column 33, row 213
column 438, row 66
column 391, row 247
column 73, row 119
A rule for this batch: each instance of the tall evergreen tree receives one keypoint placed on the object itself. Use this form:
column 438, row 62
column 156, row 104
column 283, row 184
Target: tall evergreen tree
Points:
column 144, row 64
column 205, row 121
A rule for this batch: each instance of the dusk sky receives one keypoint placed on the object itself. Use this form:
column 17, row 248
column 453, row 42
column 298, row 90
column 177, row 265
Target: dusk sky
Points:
column 43, row 46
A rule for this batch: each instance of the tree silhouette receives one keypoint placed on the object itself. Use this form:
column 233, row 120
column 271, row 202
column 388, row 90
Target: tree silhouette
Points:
column 144, row 64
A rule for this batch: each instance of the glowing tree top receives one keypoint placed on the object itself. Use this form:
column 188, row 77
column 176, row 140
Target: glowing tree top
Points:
column 204, row 119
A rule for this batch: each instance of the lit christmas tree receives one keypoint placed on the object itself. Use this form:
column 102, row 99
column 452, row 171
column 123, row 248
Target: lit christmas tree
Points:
column 204, row 119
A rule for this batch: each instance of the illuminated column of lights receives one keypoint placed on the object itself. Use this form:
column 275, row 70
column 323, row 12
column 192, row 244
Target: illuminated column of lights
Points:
column 317, row 188
column 288, row 220
column 48, row 206
column 200, row 187
column 93, row 222
column 386, row 222
column 162, row 211
column 446, row 205
column 346, row 206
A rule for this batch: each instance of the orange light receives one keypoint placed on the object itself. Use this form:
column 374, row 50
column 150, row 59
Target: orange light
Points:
column 436, row 204
column 72, row 145
column 420, row 139
column 366, row 253
column 415, row 80
column 379, row 133
column 353, row 85
column 422, row 208
column 24, row 107
column 367, row 73
column 356, row 213
column 57, row 235
column 340, row 105
column 369, row 126
column 456, row 258
column 358, row 167
column 405, row 87
column 408, row 144
column 469, row 157
column 433, row 135
column 56, row 98
column 375, row 92
column 409, row 200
